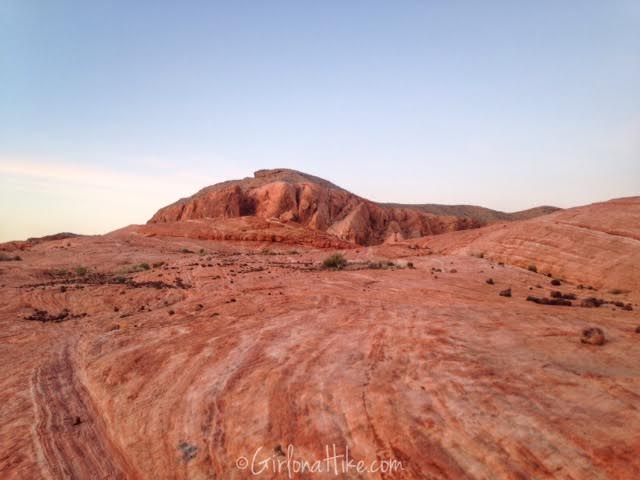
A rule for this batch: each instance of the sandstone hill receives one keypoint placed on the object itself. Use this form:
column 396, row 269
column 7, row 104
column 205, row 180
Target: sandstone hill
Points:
column 30, row 242
column 291, row 196
column 597, row 244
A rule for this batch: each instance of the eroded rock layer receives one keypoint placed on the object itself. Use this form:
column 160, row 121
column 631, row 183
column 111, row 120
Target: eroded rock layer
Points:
column 309, row 201
column 597, row 245
column 180, row 357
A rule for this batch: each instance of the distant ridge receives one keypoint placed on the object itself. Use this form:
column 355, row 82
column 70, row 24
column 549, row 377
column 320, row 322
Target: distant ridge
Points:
column 482, row 214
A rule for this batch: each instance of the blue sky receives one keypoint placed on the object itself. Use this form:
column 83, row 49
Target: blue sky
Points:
column 109, row 110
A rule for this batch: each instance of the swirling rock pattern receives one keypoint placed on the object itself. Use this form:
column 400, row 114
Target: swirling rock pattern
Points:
column 595, row 245
column 185, row 354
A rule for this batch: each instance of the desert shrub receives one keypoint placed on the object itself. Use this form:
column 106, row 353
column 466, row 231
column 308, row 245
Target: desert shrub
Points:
column 592, row 302
column 555, row 282
column 7, row 258
column 490, row 281
column 44, row 316
column 549, row 301
column 558, row 301
column 188, row 451
column 336, row 260
column 566, row 296
column 410, row 265
column 158, row 264
column 137, row 268
column 505, row 293
column 81, row 271
column 186, row 250
column 624, row 306
column 532, row 268
column 377, row 265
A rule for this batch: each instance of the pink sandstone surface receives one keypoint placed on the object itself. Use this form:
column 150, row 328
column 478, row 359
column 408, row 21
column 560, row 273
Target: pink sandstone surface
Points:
column 236, row 338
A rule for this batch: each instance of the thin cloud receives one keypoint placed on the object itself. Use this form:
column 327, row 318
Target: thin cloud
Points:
column 80, row 175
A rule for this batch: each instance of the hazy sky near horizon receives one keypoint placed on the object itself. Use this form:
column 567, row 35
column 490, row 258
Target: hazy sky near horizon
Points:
column 110, row 110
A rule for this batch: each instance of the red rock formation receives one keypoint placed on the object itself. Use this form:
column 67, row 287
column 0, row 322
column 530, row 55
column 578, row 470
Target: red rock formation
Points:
column 245, row 229
column 291, row 196
column 596, row 244
column 30, row 242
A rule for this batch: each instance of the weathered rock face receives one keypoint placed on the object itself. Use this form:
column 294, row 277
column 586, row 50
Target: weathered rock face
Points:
column 596, row 244
column 291, row 196
column 244, row 229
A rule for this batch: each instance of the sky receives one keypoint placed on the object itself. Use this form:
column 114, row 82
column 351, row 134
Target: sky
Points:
column 111, row 110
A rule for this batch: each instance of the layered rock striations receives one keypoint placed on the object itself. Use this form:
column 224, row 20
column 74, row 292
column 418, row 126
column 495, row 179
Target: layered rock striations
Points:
column 291, row 196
